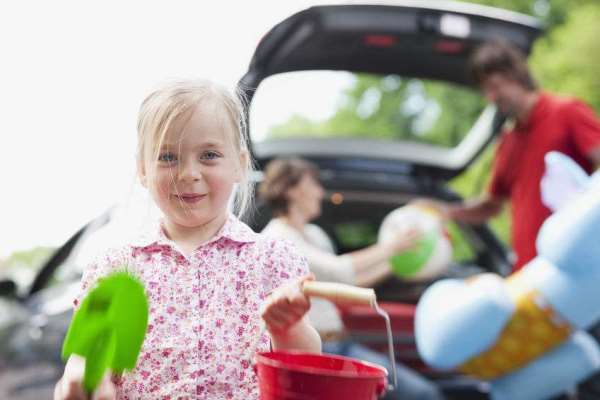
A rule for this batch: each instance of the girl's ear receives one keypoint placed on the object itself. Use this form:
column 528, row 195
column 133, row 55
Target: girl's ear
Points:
column 141, row 172
column 243, row 166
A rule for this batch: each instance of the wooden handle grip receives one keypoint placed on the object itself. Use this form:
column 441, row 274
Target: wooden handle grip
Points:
column 340, row 293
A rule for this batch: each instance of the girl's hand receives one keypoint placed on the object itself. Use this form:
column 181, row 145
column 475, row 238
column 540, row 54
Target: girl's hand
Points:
column 285, row 307
column 70, row 386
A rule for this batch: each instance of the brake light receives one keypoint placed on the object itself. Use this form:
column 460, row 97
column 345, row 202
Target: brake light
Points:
column 449, row 46
column 379, row 40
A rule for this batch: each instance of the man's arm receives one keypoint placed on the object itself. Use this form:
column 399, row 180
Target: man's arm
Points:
column 472, row 211
column 475, row 211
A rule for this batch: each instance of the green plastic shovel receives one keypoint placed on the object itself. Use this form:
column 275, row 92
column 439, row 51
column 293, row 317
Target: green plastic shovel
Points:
column 109, row 327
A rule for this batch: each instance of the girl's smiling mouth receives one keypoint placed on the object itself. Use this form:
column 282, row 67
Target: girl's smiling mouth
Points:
column 189, row 198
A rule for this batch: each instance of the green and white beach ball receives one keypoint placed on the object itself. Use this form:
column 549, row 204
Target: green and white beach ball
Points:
column 432, row 254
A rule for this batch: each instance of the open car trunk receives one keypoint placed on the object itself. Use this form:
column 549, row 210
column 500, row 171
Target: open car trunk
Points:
column 407, row 39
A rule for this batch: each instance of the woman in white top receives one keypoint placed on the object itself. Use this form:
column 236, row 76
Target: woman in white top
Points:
column 292, row 190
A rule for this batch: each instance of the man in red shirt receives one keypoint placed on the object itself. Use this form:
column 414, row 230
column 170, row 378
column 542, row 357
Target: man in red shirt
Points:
column 541, row 122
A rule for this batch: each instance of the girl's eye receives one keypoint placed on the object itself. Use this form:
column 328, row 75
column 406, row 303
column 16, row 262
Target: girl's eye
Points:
column 210, row 155
column 167, row 157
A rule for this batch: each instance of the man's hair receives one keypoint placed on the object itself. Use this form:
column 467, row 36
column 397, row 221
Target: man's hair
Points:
column 499, row 56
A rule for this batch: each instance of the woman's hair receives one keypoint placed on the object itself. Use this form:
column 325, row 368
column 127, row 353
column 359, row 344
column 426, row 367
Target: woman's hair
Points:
column 175, row 102
column 498, row 56
column 280, row 176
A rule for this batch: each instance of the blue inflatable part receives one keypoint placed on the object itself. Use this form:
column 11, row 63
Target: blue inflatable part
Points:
column 546, row 377
column 563, row 180
column 575, row 263
column 456, row 320
column 576, row 229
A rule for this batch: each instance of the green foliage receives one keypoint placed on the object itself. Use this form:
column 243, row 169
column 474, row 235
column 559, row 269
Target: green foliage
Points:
column 472, row 183
column 522, row 6
column 356, row 234
column 453, row 101
column 461, row 251
column 390, row 107
column 568, row 59
column 551, row 12
column 27, row 258
column 296, row 125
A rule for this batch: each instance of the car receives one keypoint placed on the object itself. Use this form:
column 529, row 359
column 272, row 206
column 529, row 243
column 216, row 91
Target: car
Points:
column 34, row 319
column 379, row 97
column 316, row 88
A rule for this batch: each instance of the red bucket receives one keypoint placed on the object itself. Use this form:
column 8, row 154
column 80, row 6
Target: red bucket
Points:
column 306, row 376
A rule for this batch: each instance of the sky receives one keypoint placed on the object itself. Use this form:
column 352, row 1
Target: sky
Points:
column 72, row 78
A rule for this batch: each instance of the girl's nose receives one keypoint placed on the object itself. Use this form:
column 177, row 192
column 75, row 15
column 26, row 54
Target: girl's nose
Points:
column 190, row 171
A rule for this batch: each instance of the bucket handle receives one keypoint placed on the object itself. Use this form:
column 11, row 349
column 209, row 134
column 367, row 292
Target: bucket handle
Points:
column 343, row 294
column 340, row 293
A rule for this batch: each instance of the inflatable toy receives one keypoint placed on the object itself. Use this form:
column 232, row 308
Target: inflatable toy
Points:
column 526, row 334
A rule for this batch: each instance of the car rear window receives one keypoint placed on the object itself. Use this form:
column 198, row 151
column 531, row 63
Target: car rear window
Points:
column 329, row 104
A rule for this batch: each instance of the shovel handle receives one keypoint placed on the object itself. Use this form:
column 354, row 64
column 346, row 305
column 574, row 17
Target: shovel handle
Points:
column 340, row 293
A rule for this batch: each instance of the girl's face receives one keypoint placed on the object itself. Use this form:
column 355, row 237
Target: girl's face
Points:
column 306, row 197
column 196, row 170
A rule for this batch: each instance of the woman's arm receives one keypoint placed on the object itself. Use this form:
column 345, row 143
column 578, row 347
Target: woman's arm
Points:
column 371, row 264
column 364, row 267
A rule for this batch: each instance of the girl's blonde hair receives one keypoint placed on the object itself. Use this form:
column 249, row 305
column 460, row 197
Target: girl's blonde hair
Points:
column 177, row 100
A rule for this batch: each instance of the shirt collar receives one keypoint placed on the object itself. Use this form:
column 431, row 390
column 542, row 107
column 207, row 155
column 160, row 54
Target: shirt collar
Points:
column 233, row 229
column 536, row 113
column 236, row 230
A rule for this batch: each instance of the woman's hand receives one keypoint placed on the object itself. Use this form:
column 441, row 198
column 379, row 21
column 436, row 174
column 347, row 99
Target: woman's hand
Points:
column 70, row 386
column 405, row 239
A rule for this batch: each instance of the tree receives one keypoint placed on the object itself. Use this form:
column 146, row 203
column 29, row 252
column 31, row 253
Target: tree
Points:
column 391, row 107
column 568, row 59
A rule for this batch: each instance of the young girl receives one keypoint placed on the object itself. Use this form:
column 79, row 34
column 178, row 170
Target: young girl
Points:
column 208, row 277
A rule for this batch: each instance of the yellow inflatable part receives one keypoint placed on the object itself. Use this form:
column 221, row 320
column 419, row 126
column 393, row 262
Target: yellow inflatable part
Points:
column 534, row 329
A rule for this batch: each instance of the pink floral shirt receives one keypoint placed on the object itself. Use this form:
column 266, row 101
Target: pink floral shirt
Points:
column 204, row 323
